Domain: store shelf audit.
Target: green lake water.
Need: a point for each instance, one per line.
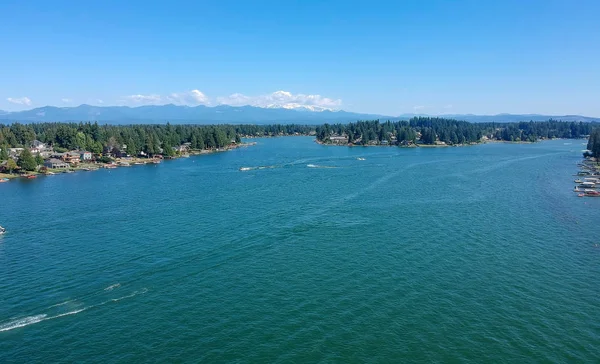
(475, 254)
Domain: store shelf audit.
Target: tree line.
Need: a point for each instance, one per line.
(151, 139)
(593, 145)
(430, 130)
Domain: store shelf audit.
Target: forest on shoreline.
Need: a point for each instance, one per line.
(432, 131)
(155, 139)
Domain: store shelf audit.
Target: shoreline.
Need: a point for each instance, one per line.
(121, 162)
(442, 145)
(350, 145)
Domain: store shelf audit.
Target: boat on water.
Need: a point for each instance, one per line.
(2, 230)
(587, 185)
(139, 163)
(578, 181)
(360, 159)
(185, 156)
(2, 180)
(156, 161)
(31, 176)
(245, 169)
(592, 193)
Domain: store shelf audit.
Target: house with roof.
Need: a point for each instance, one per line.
(55, 163)
(337, 139)
(85, 156)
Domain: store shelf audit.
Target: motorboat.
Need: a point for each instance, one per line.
(2, 230)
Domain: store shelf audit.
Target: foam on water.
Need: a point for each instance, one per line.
(22, 322)
(110, 288)
(34, 319)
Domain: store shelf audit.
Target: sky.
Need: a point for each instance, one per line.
(386, 57)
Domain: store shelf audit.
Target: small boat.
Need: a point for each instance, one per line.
(245, 169)
(2, 180)
(592, 193)
(156, 161)
(185, 156)
(2, 230)
(580, 194)
(578, 181)
(139, 163)
(31, 176)
(360, 159)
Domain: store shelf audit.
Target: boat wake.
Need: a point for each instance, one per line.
(67, 308)
(110, 288)
(318, 166)
(243, 169)
(22, 322)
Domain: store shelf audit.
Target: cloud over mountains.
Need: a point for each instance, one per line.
(278, 99)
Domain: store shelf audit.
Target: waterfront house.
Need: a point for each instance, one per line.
(71, 157)
(54, 163)
(336, 139)
(182, 149)
(85, 156)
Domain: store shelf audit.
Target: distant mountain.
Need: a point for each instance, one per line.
(290, 113)
(186, 114)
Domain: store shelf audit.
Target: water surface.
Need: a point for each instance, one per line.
(475, 254)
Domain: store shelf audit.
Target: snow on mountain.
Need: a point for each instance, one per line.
(299, 107)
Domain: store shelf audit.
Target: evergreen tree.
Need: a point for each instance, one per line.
(11, 165)
(26, 160)
(39, 160)
(3, 152)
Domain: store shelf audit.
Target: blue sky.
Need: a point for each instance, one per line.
(388, 57)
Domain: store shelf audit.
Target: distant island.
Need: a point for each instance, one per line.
(49, 148)
(426, 131)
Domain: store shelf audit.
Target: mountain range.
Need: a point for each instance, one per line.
(237, 115)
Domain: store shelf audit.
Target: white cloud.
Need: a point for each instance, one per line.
(283, 99)
(144, 99)
(193, 97)
(19, 100)
(66, 100)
